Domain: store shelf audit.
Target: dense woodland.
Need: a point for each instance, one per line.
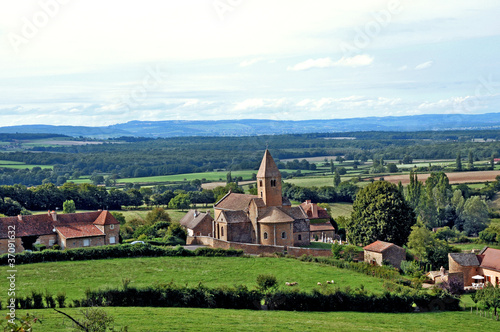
(140, 157)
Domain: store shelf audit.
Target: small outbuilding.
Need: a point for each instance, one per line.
(379, 252)
(198, 223)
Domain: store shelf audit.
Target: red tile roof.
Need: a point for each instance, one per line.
(326, 226)
(491, 259)
(105, 218)
(314, 211)
(274, 215)
(79, 230)
(234, 202)
(43, 224)
(379, 246)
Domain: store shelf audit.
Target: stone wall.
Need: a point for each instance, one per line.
(256, 249)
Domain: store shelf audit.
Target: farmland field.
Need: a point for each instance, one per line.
(191, 319)
(458, 177)
(74, 277)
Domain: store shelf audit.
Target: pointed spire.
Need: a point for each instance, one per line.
(268, 167)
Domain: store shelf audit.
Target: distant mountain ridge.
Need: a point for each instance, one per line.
(251, 127)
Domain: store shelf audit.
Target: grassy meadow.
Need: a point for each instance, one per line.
(74, 277)
(191, 319)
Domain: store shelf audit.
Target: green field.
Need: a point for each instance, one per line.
(20, 165)
(190, 319)
(74, 277)
(340, 209)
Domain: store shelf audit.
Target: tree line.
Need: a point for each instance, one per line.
(167, 156)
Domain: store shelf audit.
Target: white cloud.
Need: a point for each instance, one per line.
(424, 65)
(246, 63)
(355, 61)
(403, 68)
(249, 103)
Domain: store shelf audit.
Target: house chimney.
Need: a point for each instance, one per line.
(54, 215)
(20, 217)
(208, 212)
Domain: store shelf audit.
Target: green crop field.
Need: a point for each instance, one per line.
(340, 209)
(8, 162)
(74, 277)
(190, 319)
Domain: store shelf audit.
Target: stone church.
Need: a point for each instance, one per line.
(266, 218)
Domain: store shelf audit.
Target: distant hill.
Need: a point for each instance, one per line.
(250, 127)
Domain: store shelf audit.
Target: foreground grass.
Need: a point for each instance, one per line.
(188, 319)
(74, 277)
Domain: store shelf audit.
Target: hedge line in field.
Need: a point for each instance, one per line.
(114, 251)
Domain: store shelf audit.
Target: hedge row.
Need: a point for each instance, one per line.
(240, 297)
(384, 272)
(114, 251)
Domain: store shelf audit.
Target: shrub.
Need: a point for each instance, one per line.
(61, 299)
(266, 282)
(40, 247)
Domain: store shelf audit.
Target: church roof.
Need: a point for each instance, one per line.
(235, 216)
(268, 167)
(234, 202)
(272, 215)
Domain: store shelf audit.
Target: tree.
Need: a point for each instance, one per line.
(336, 178)
(229, 178)
(475, 215)
(332, 166)
(157, 214)
(380, 213)
(458, 163)
(69, 206)
(427, 248)
(471, 160)
(392, 168)
(181, 201)
(489, 296)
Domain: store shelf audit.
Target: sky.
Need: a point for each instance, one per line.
(98, 63)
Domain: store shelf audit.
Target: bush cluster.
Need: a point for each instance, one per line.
(114, 251)
(240, 297)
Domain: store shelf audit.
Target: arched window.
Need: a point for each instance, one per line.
(265, 235)
(283, 235)
(260, 183)
(300, 237)
(222, 231)
(273, 183)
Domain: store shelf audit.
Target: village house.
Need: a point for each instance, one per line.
(71, 230)
(266, 218)
(197, 223)
(321, 227)
(379, 252)
(476, 270)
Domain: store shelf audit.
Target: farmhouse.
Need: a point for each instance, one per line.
(266, 218)
(475, 270)
(72, 230)
(321, 227)
(380, 251)
(197, 223)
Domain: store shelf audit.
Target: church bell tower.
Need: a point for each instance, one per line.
(269, 181)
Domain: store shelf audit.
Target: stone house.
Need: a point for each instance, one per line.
(197, 223)
(266, 218)
(321, 227)
(485, 264)
(72, 230)
(379, 252)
